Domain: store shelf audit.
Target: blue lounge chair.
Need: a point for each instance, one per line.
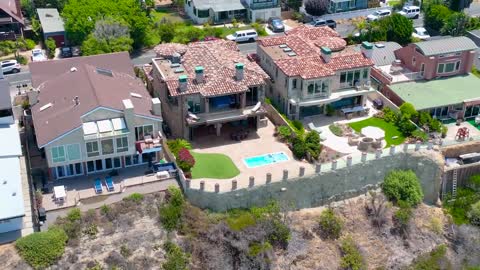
(109, 183)
(98, 186)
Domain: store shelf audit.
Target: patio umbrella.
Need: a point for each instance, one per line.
(373, 132)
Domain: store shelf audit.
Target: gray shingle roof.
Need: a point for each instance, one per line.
(447, 45)
(383, 55)
(50, 20)
(219, 5)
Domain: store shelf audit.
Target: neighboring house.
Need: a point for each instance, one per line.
(475, 36)
(11, 20)
(433, 76)
(205, 86)
(94, 115)
(221, 11)
(311, 67)
(337, 6)
(12, 207)
(52, 25)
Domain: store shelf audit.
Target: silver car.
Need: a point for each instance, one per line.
(10, 66)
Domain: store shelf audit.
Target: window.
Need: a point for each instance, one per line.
(365, 73)
(107, 147)
(317, 87)
(343, 77)
(69, 170)
(193, 106)
(122, 144)
(294, 83)
(414, 61)
(58, 154)
(117, 163)
(142, 131)
(276, 73)
(73, 151)
(311, 88)
(448, 67)
(90, 166)
(92, 149)
(203, 13)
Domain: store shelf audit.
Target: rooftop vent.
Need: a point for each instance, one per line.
(14, 194)
(379, 45)
(287, 50)
(73, 69)
(179, 70)
(135, 95)
(4, 182)
(48, 15)
(292, 54)
(104, 71)
(46, 106)
(76, 100)
(283, 46)
(175, 65)
(176, 58)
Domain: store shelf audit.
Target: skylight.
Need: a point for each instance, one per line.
(135, 95)
(89, 128)
(119, 124)
(283, 46)
(104, 71)
(46, 106)
(287, 49)
(104, 126)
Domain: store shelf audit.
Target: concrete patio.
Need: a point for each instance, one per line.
(81, 189)
(453, 128)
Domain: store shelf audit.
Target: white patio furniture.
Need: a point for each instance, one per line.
(59, 193)
(162, 175)
(257, 107)
(477, 119)
(311, 126)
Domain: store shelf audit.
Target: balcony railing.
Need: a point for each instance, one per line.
(106, 134)
(224, 116)
(149, 144)
(272, 4)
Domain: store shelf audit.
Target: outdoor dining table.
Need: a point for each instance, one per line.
(59, 193)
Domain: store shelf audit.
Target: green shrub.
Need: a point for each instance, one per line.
(125, 251)
(260, 29)
(74, 215)
(402, 217)
(177, 144)
(268, 101)
(51, 46)
(474, 182)
(405, 126)
(256, 248)
(401, 185)
(389, 115)
(241, 221)
(434, 260)
(299, 148)
(91, 230)
(474, 214)
(171, 212)
(312, 143)
(284, 133)
(460, 207)
(336, 130)
(352, 259)
(105, 209)
(419, 135)
(330, 225)
(176, 259)
(424, 118)
(435, 125)
(280, 234)
(329, 110)
(408, 111)
(134, 197)
(298, 125)
(22, 60)
(42, 249)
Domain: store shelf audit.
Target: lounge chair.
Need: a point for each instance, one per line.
(98, 186)
(109, 183)
(311, 126)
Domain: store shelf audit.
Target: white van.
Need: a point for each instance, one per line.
(244, 35)
(411, 12)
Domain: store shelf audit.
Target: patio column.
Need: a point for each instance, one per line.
(363, 100)
(297, 112)
(207, 107)
(243, 100)
(218, 129)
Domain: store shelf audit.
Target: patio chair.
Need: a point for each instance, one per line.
(311, 126)
(98, 186)
(109, 183)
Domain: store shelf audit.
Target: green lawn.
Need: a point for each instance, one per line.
(159, 14)
(217, 166)
(390, 129)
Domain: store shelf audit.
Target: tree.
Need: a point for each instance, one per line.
(376, 208)
(459, 5)
(294, 4)
(316, 7)
(80, 17)
(398, 28)
(51, 46)
(166, 31)
(455, 25)
(435, 16)
(474, 214)
(108, 36)
(403, 186)
(408, 111)
(58, 4)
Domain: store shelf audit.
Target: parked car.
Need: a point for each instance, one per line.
(244, 35)
(37, 55)
(377, 15)
(10, 66)
(321, 22)
(421, 33)
(275, 24)
(66, 52)
(411, 12)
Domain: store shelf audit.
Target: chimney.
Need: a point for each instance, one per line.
(239, 71)
(183, 82)
(367, 49)
(326, 54)
(128, 114)
(156, 107)
(199, 74)
(19, 8)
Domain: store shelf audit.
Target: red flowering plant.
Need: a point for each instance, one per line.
(185, 160)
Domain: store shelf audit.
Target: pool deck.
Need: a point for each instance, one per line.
(258, 143)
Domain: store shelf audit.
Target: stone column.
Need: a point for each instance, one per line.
(417, 146)
(187, 183)
(251, 181)
(243, 100)
(202, 185)
(297, 113)
(217, 188)
(285, 175)
(234, 184)
(349, 161)
(218, 128)
(392, 150)
(301, 171)
(269, 178)
(207, 106)
(318, 167)
(378, 153)
(334, 164)
(364, 157)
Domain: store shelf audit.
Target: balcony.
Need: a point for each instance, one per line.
(397, 74)
(334, 96)
(224, 116)
(149, 144)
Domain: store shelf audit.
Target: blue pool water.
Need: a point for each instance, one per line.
(263, 160)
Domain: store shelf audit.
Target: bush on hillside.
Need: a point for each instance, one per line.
(330, 224)
(284, 133)
(403, 186)
(474, 214)
(299, 148)
(351, 256)
(171, 212)
(42, 249)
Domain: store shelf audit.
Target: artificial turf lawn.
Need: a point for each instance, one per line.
(216, 166)
(390, 129)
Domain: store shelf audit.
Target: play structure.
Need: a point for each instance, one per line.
(462, 133)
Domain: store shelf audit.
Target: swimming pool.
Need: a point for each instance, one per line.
(266, 159)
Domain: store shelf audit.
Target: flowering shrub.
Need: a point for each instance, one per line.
(185, 160)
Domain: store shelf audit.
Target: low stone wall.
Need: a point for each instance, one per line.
(333, 185)
(274, 115)
(460, 149)
(385, 100)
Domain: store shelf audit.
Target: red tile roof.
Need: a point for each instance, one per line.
(306, 42)
(91, 87)
(218, 58)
